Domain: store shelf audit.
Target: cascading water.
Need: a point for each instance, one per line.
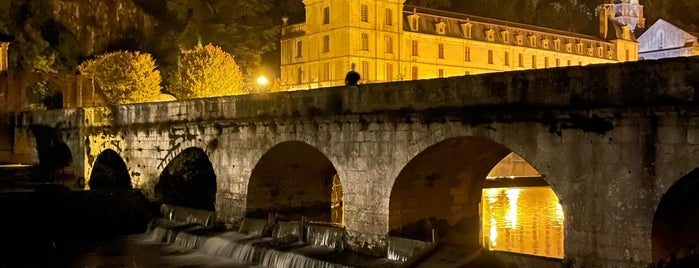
(401, 249)
(189, 240)
(226, 248)
(278, 259)
(253, 226)
(283, 229)
(328, 236)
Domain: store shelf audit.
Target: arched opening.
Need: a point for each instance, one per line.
(109, 172)
(188, 180)
(675, 222)
(294, 179)
(447, 191)
(44, 95)
(55, 158)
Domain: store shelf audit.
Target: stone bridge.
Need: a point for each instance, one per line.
(616, 143)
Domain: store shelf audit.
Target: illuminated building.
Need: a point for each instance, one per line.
(664, 40)
(389, 41)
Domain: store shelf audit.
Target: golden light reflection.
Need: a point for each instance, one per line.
(526, 220)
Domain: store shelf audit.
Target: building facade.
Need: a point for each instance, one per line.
(664, 40)
(389, 41)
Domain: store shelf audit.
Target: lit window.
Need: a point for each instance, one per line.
(389, 44)
(389, 17)
(326, 43)
(326, 15)
(520, 60)
(389, 72)
(326, 71)
(466, 28)
(490, 35)
(441, 27)
(365, 41)
(299, 48)
(414, 48)
(441, 73)
(299, 75)
(507, 58)
(467, 54)
(546, 62)
(533, 61)
(505, 35)
(365, 13)
(490, 56)
(440, 51)
(558, 62)
(414, 74)
(365, 69)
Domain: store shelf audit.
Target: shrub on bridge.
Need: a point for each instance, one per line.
(124, 76)
(206, 71)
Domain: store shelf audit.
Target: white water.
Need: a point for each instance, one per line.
(252, 226)
(283, 229)
(188, 240)
(278, 259)
(226, 248)
(328, 236)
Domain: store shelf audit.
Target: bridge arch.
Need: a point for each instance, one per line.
(188, 180)
(674, 230)
(295, 179)
(441, 188)
(109, 171)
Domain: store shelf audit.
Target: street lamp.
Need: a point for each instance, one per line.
(262, 83)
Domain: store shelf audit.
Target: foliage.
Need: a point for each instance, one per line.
(44, 95)
(124, 77)
(206, 71)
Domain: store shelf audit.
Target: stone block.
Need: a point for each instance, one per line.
(672, 134)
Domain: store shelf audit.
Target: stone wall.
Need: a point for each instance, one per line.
(610, 140)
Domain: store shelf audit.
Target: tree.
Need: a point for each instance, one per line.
(206, 71)
(124, 77)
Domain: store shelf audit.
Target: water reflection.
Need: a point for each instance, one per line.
(526, 220)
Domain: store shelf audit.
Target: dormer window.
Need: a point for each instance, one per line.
(520, 39)
(532, 40)
(466, 28)
(545, 43)
(580, 47)
(600, 51)
(505, 35)
(557, 44)
(610, 54)
(440, 27)
(413, 20)
(590, 50)
(569, 47)
(490, 35)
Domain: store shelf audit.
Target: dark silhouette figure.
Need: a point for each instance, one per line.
(352, 77)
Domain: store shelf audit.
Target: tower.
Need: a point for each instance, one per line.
(626, 12)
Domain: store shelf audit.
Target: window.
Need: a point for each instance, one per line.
(365, 13)
(326, 71)
(365, 70)
(414, 48)
(389, 71)
(389, 17)
(570, 63)
(569, 47)
(440, 51)
(520, 39)
(505, 35)
(365, 41)
(507, 58)
(466, 28)
(467, 54)
(580, 63)
(299, 76)
(558, 62)
(579, 47)
(413, 21)
(490, 35)
(490, 56)
(441, 73)
(299, 48)
(414, 74)
(557, 44)
(600, 51)
(326, 43)
(546, 62)
(467, 72)
(440, 27)
(545, 43)
(520, 60)
(326, 15)
(628, 55)
(389, 44)
(532, 40)
(533, 61)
